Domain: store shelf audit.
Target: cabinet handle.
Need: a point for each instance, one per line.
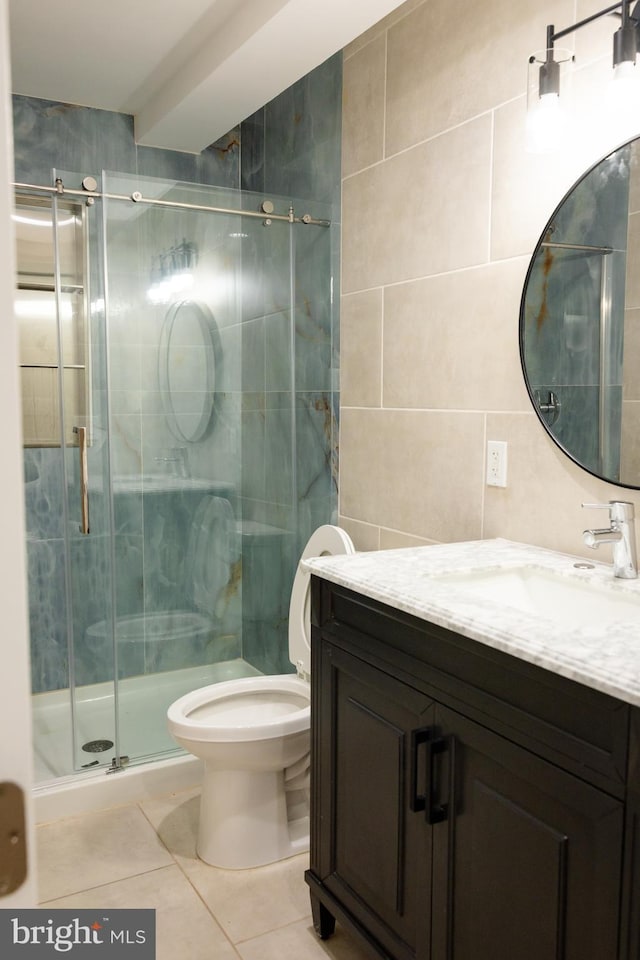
(417, 801)
(436, 812)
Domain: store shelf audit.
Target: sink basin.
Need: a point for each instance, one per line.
(534, 591)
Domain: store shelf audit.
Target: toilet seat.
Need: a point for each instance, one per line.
(325, 541)
(264, 707)
(250, 708)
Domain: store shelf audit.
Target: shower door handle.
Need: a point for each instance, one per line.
(84, 478)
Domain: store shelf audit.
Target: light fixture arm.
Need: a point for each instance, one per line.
(547, 71)
(626, 42)
(622, 5)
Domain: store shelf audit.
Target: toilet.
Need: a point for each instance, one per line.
(253, 735)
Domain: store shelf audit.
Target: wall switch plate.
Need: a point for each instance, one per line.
(496, 463)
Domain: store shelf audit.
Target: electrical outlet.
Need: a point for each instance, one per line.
(496, 463)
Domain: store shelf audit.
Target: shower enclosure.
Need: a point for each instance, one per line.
(177, 354)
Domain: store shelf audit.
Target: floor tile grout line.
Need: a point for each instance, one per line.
(175, 862)
(191, 884)
(282, 926)
(233, 943)
(108, 883)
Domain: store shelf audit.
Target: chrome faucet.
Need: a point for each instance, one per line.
(621, 534)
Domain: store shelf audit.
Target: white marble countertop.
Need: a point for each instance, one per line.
(604, 656)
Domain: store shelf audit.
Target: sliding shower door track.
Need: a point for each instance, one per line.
(137, 197)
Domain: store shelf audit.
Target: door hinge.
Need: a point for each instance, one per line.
(118, 764)
(13, 838)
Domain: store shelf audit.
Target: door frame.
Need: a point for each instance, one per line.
(16, 759)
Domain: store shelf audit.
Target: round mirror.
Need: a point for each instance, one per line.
(580, 321)
(186, 369)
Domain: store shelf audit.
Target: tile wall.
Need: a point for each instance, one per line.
(442, 209)
(67, 137)
(291, 147)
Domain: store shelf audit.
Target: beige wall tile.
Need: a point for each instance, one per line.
(392, 540)
(445, 66)
(417, 224)
(401, 469)
(542, 502)
(630, 443)
(421, 213)
(632, 286)
(363, 91)
(527, 187)
(591, 40)
(364, 535)
(361, 349)
(381, 27)
(631, 364)
(452, 341)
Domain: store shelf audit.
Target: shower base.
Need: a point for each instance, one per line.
(157, 764)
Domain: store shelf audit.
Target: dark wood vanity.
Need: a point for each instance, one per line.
(466, 804)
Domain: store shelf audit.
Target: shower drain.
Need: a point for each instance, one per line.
(97, 746)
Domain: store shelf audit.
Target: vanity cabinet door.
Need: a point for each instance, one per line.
(371, 850)
(528, 863)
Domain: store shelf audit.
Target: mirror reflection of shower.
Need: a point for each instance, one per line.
(578, 320)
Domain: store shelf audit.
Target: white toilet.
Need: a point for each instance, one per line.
(254, 737)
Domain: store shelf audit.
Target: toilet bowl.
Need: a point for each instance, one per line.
(253, 735)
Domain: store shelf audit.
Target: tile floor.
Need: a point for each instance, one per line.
(143, 855)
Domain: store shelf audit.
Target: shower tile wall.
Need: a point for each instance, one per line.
(150, 570)
(292, 147)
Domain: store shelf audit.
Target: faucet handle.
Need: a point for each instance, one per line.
(619, 509)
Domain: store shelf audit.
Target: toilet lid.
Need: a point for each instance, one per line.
(326, 541)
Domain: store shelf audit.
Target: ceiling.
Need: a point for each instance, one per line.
(188, 71)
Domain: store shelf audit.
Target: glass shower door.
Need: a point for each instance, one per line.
(87, 475)
(178, 425)
(201, 366)
(60, 308)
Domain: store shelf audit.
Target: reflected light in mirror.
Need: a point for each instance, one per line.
(32, 222)
(163, 292)
(44, 309)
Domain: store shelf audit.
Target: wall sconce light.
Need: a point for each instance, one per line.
(549, 72)
(626, 41)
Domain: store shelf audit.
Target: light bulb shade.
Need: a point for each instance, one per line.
(625, 72)
(625, 43)
(549, 78)
(548, 96)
